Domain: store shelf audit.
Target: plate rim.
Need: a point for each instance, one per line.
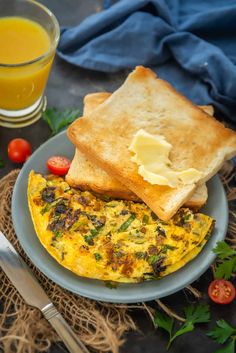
(86, 292)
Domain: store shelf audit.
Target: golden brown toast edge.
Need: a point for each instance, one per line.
(142, 188)
(111, 186)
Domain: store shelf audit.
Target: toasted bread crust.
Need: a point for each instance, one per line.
(209, 109)
(86, 176)
(93, 100)
(199, 198)
(143, 101)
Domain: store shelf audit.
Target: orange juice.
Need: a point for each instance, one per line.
(22, 80)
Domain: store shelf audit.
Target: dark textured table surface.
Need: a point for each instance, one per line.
(66, 88)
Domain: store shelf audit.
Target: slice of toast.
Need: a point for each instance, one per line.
(146, 102)
(87, 176)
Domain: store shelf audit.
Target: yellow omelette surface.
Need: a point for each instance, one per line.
(111, 240)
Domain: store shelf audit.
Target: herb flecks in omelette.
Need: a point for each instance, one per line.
(97, 256)
(48, 194)
(111, 240)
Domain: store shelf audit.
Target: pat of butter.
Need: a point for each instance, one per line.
(151, 153)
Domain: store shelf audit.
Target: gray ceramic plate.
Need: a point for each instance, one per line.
(124, 293)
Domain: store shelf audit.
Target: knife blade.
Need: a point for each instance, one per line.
(23, 279)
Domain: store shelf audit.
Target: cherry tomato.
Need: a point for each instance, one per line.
(58, 165)
(19, 150)
(221, 291)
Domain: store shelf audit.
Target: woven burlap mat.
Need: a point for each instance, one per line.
(101, 326)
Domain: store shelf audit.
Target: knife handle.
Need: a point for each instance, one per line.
(70, 339)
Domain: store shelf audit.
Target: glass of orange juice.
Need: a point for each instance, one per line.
(29, 34)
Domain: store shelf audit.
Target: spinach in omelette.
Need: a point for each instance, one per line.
(111, 240)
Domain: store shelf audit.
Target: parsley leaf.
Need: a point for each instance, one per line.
(230, 348)
(224, 332)
(227, 255)
(197, 314)
(221, 332)
(1, 163)
(186, 327)
(164, 321)
(193, 314)
(58, 120)
(226, 268)
(223, 250)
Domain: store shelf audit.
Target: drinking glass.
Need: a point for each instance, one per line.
(22, 84)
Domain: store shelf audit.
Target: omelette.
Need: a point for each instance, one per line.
(111, 240)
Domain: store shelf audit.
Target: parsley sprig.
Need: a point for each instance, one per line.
(222, 333)
(227, 260)
(193, 315)
(59, 120)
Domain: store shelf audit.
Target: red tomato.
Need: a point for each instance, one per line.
(19, 150)
(58, 165)
(221, 291)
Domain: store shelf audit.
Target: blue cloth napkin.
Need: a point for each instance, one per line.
(191, 44)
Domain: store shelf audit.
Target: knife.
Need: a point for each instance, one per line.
(31, 291)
